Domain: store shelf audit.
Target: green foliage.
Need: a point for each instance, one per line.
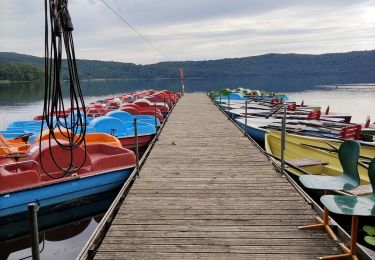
(359, 62)
(18, 71)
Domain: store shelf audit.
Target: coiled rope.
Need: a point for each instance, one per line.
(59, 24)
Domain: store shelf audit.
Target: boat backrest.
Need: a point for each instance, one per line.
(371, 174)
(130, 110)
(61, 134)
(102, 138)
(151, 98)
(109, 125)
(60, 156)
(348, 156)
(143, 102)
(132, 105)
(122, 115)
(352, 131)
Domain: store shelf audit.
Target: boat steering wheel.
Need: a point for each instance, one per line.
(16, 156)
(25, 137)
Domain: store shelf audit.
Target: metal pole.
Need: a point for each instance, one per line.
(283, 133)
(32, 208)
(245, 117)
(228, 106)
(228, 103)
(136, 145)
(156, 121)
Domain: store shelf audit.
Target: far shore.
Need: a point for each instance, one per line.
(5, 81)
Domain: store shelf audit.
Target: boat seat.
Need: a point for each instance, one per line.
(300, 162)
(353, 206)
(348, 155)
(107, 157)
(17, 176)
(61, 157)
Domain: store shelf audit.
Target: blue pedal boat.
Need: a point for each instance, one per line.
(124, 130)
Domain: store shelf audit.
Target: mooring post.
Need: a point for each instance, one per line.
(156, 121)
(228, 106)
(228, 103)
(32, 208)
(220, 100)
(155, 116)
(245, 127)
(136, 145)
(283, 135)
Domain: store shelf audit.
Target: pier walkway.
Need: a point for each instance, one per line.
(206, 192)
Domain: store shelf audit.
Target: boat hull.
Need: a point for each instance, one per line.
(48, 195)
(257, 134)
(129, 142)
(318, 162)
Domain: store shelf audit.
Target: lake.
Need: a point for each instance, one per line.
(21, 101)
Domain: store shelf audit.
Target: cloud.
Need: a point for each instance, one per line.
(196, 30)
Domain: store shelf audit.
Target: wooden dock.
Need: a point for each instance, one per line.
(206, 192)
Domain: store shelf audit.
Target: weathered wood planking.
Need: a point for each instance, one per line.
(205, 192)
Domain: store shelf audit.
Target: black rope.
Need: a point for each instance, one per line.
(58, 23)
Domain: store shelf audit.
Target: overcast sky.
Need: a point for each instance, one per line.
(196, 29)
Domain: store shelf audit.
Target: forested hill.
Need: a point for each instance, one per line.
(358, 62)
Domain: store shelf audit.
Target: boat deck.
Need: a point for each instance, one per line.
(206, 192)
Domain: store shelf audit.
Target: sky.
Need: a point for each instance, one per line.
(195, 29)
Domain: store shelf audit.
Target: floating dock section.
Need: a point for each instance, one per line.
(207, 192)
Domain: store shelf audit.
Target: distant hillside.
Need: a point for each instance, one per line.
(20, 71)
(358, 62)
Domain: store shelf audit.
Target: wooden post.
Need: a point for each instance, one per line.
(353, 239)
(32, 208)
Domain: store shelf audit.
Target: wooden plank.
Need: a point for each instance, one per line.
(212, 228)
(271, 235)
(205, 192)
(224, 242)
(201, 256)
(204, 248)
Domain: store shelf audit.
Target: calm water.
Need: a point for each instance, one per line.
(22, 101)
(64, 228)
(66, 235)
(357, 100)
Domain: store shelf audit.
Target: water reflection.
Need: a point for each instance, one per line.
(22, 101)
(64, 228)
(26, 92)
